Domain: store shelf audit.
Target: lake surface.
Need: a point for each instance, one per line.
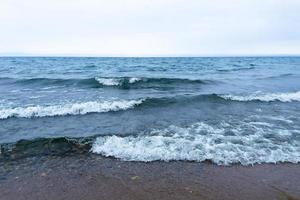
(227, 110)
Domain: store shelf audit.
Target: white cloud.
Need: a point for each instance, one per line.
(144, 27)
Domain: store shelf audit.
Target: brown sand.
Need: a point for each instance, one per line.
(94, 177)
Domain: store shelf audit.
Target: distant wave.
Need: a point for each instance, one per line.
(89, 82)
(135, 82)
(268, 97)
(278, 76)
(119, 82)
(68, 109)
(236, 69)
(200, 142)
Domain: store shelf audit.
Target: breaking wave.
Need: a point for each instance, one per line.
(68, 109)
(116, 81)
(283, 97)
(82, 108)
(119, 82)
(127, 82)
(223, 145)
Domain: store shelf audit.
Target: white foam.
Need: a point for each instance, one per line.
(200, 142)
(108, 81)
(116, 81)
(283, 97)
(134, 80)
(68, 109)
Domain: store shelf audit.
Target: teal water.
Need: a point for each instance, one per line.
(227, 110)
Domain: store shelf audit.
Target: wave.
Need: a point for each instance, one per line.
(119, 82)
(279, 76)
(135, 82)
(268, 97)
(89, 82)
(223, 144)
(236, 69)
(223, 98)
(68, 109)
(245, 143)
(200, 142)
(60, 146)
(83, 108)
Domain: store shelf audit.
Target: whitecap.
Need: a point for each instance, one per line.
(68, 109)
(109, 81)
(134, 80)
(267, 97)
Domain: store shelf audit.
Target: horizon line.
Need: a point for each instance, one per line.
(145, 56)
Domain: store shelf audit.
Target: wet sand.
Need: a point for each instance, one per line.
(94, 177)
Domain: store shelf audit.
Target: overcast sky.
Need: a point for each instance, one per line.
(149, 27)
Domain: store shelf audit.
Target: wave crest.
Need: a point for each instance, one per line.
(126, 82)
(68, 109)
(108, 81)
(117, 81)
(283, 97)
(120, 82)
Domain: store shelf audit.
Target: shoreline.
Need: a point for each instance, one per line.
(90, 176)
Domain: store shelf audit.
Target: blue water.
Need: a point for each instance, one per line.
(227, 110)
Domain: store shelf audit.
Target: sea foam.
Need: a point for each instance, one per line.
(117, 81)
(109, 81)
(134, 80)
(283, 97)
(200, 142)
(68, 109)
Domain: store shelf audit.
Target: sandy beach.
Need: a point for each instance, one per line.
(90, 176)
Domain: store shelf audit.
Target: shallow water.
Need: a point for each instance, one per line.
(227, 110)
